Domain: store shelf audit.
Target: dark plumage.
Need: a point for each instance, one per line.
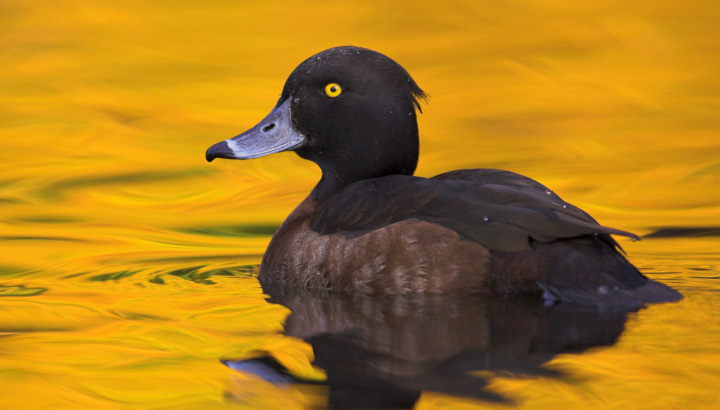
(370, 226)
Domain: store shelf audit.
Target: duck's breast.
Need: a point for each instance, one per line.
(403, 257)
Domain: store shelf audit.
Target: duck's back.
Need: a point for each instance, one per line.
(483, 230)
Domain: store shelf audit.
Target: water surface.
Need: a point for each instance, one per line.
(127, 263)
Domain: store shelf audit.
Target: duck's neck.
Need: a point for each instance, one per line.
(331, 183)
(336, 178)
(375, 151)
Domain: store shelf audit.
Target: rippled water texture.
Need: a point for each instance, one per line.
(127, 262)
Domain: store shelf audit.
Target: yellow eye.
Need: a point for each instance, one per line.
(333, 90)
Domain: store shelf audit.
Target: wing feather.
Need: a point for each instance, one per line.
(500, 210)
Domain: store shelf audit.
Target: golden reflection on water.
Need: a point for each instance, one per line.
(126, 259)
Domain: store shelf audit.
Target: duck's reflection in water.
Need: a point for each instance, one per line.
(384, 351)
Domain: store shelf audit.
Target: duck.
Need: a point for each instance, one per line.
(370, 226)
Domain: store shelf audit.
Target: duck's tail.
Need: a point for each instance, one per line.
(589, 270)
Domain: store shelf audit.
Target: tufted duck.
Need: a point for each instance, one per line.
(370, 226)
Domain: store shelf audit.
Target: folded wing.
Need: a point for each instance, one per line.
(500, 210)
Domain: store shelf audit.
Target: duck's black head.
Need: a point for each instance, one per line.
(349, 109)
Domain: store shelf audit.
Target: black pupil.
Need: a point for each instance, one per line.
(333, 89)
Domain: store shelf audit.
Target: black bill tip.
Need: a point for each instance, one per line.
(219, 150)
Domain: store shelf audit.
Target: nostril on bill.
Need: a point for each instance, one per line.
(268, 127)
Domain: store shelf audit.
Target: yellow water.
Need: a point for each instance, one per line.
(127, 261)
